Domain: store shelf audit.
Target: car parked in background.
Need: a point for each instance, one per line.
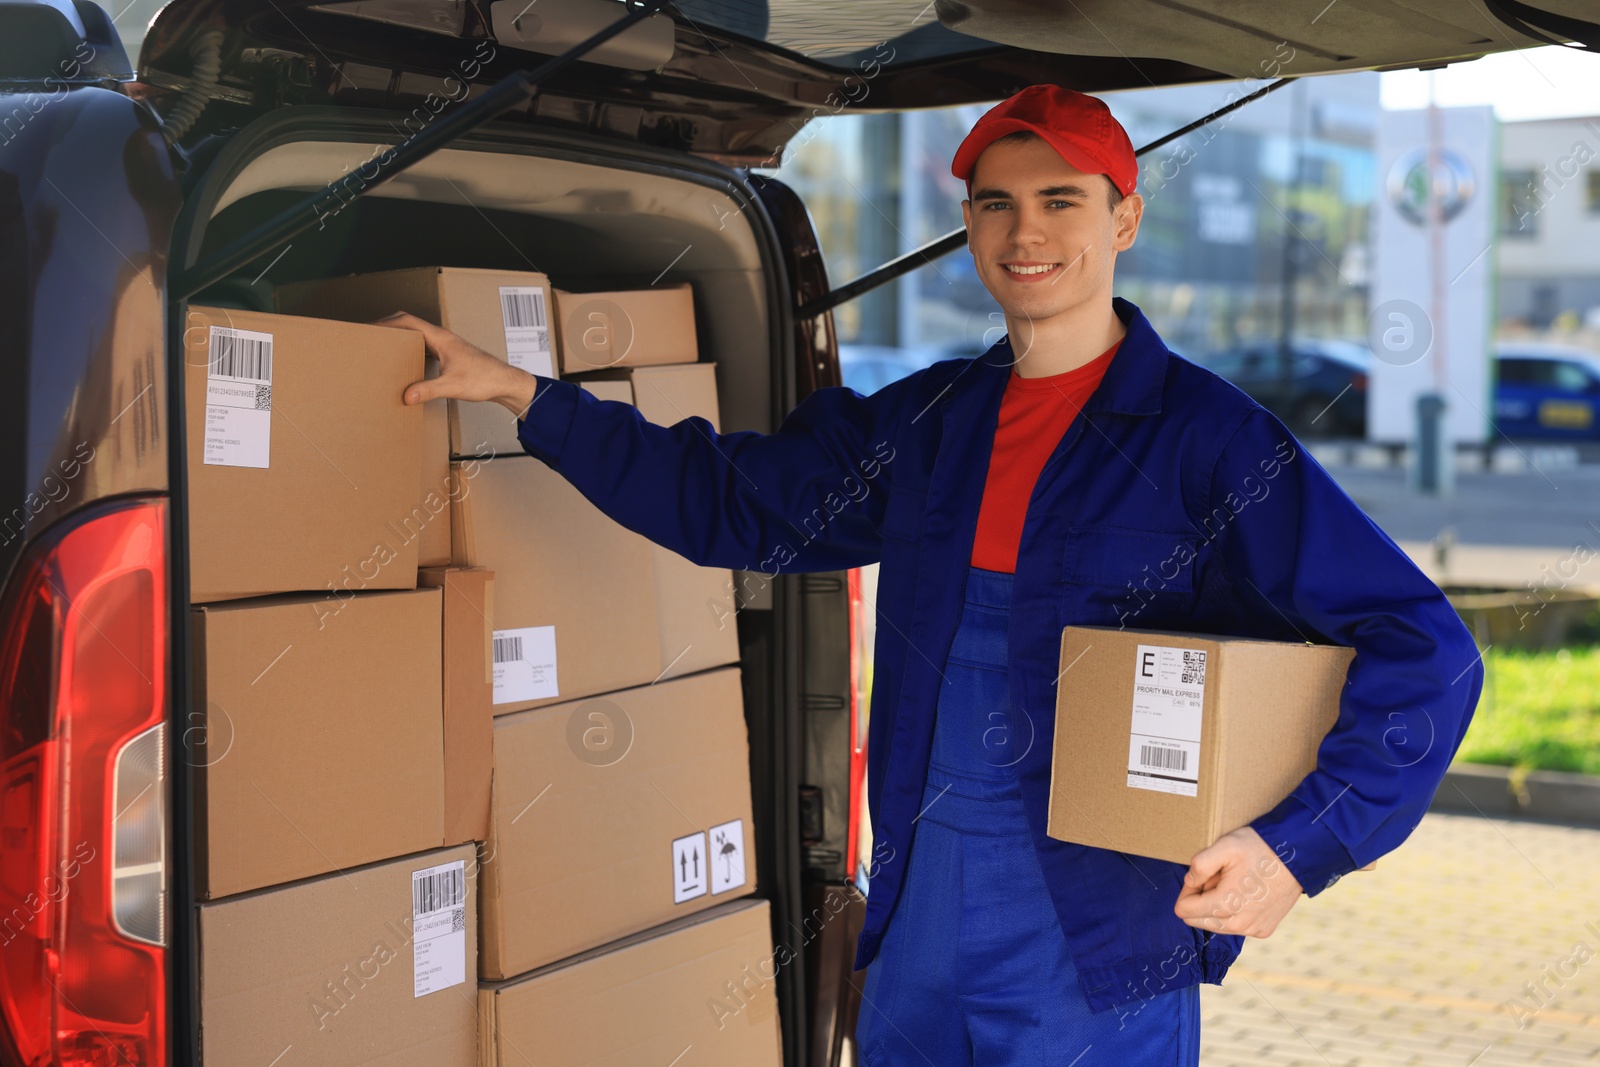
(1546, 391)
(1318, 387)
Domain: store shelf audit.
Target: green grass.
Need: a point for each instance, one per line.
(1539, 711)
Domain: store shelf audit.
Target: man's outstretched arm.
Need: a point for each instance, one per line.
(807, 497)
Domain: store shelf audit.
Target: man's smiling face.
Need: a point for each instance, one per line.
(1041, 232)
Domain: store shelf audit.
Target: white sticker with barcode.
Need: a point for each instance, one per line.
(1169, 693)
(438, 927)
(238, 398)
(522, 309)
(525, 664)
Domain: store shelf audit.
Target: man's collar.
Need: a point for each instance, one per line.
(1134, 381)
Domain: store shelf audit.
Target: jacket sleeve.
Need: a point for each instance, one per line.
(807, 497)
(1303, 550)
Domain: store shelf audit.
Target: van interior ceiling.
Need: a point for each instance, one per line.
(586, 226)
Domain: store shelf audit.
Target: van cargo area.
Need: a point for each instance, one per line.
(593, 218)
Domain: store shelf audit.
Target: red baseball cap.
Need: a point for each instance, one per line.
(1078, 126)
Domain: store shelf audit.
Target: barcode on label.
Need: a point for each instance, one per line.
(438, 890)
(1172, 759)
(507, 649)
(235, 354)
(1194, 667)
(522, 307)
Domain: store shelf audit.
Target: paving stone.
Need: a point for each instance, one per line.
(1422, 962)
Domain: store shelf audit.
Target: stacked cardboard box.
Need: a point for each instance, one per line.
(613, 814)
(621, 841)
(505, 313)
(302, 467)
(369, 965)
(550, 684)
(703, 981)
(341, 744)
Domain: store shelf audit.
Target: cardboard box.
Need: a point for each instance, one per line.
(322, 736)
(303, 458)
(696, 611)
(505, 313)
(626, 328)
(614, 814)
(468, 595)
(574, 605)
(705, 982)
(1166, 741)
(609, 388)
(368, 966)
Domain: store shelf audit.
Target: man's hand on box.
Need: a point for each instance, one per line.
(466, 372)
(1237, 886)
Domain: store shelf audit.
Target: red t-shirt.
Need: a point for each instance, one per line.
(1034, 414)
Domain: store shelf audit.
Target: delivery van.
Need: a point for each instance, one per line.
(252, 147)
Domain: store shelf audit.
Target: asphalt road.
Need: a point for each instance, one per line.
(1554, 508)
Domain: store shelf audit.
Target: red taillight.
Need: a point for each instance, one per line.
(860, 684)
(83, 695)
(1358, 382)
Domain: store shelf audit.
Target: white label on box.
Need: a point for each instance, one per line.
(727, 856)
(525, 664)
(238, 398)
(527, 329)
(438, 928)
(1169, 692)
(688, 867)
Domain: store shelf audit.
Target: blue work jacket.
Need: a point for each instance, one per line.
(1172, 502)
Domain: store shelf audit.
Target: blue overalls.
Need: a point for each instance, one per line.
(974, 968)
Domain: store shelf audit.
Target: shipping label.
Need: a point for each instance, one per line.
(522, 309)
(438, 927)
(525, 664)
(1169, 691)
(238, 398)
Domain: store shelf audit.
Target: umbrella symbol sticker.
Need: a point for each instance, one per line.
(727, 842)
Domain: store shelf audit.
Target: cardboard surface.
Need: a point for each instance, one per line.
(468, 595)
(696, 612)
(1263, 707)
(626, 328)
(645, 1000)
(465, 301)
(605, 811)
(322, 735)
(342, 451)
(329, 969)
(565, 576)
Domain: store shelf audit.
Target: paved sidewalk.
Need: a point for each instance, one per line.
(1432, 958)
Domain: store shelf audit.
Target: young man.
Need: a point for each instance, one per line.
(1077, 472)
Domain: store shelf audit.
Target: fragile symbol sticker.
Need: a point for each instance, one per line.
(689, 867)
(238, 429)
(1169, 693)
(438, 927)
(522, 309)
(727, 856)
(525, 664)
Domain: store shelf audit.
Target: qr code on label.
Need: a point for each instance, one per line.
(1194, 667)
(263, 398)
(458, 920)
